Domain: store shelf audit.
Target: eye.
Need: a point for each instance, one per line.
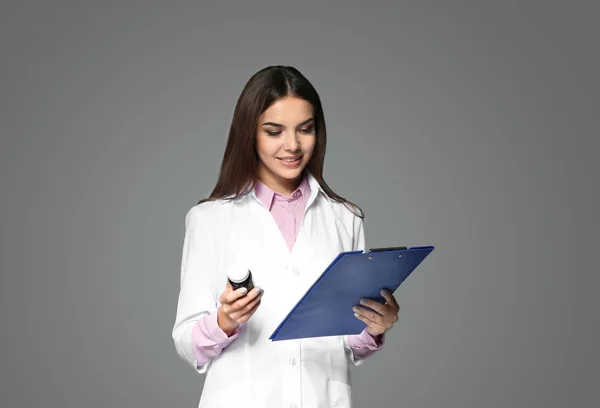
(273, 132)
(308, 130)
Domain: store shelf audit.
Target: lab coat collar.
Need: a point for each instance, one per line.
(315, 189)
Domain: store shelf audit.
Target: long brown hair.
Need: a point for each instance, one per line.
(239, 168)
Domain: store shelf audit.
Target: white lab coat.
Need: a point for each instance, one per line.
(253, 371)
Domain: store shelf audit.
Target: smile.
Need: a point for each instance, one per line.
(290, 161)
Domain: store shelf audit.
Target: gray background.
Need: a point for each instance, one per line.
(469, 125)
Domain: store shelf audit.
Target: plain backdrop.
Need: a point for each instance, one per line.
(469, 125)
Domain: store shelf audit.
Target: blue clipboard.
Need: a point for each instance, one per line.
(326, 307)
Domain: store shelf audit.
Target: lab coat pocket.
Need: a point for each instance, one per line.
(340, 394)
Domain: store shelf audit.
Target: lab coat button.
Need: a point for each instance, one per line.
(293, 405)
(296, 271)
(292, 361)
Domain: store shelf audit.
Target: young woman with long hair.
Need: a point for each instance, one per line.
(272, 212)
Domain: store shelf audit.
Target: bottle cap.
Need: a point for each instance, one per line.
(237, 273)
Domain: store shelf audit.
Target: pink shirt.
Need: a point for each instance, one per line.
(208, 338)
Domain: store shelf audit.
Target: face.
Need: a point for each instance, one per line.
(285, 140)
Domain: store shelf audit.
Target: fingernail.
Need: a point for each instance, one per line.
(243, 291)
(384, 292)
(355, 315)
(355, 310)
(363, 301)
(258, 289)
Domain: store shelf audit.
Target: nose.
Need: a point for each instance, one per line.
(292, 143)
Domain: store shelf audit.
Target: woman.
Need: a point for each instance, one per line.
(271, 211)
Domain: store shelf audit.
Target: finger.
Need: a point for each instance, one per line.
(376, 306)
(248, 315)
(244, 314)
(223, 295)
(244, 300)
(370, 323)
(239, 309)
(368, 314)
(391, 300)
(232, 309)
(231, 297)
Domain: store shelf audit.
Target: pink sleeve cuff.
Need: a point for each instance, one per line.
(364, 344)
(209, 340)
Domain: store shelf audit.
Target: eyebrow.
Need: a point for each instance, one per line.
(307, 121)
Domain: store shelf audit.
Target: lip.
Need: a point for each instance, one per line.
(293, 164)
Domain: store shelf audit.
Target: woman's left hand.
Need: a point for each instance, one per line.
(387, 314)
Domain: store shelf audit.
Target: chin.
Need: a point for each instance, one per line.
(291, 174)
(288, 173)
(278, 171)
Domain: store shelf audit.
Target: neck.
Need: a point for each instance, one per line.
(279, 184)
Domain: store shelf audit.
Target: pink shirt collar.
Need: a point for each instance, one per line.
(267, 196)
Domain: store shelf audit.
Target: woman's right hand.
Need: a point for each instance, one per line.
(237, 307)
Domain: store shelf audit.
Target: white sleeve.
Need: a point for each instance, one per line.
(358, 236)
(358, 243)
(197, 295)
